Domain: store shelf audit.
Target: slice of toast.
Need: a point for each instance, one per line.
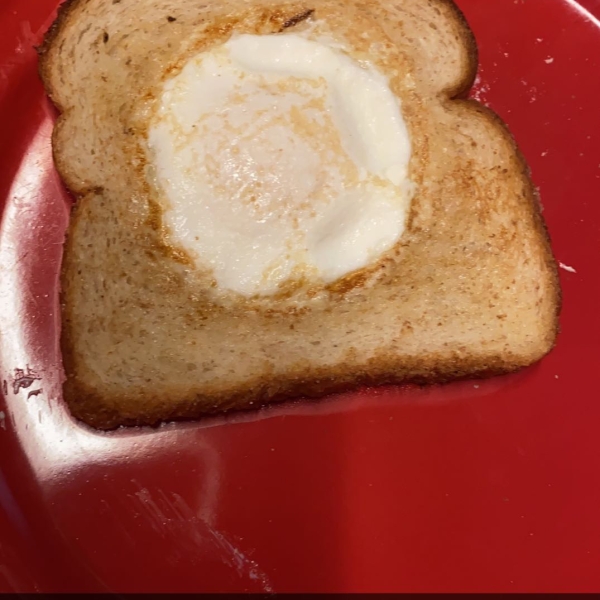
(471, 289)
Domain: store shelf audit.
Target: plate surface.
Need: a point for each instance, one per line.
(490, 485)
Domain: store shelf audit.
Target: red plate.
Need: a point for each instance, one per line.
(490, 485)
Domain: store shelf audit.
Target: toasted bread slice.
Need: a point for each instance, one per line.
(471, 289)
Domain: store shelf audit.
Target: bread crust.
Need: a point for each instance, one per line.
(91, 408)
(103, 408)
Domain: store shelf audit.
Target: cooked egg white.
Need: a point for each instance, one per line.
(279, 158)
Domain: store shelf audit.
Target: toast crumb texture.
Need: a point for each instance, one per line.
(470, 290)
